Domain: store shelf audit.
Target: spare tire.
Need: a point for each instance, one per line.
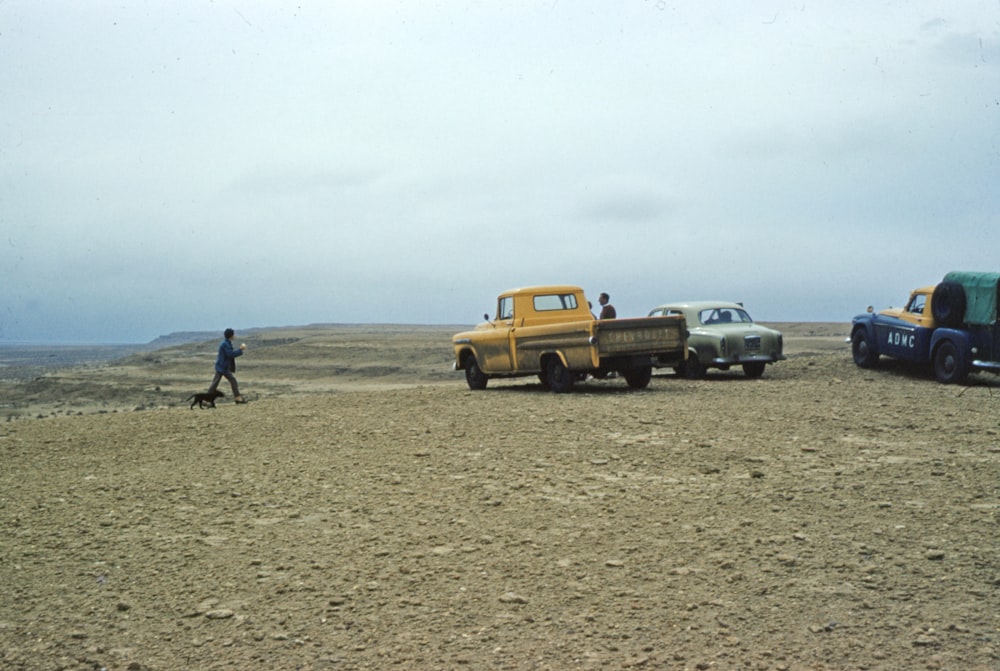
(948, 304)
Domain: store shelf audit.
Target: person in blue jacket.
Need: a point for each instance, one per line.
(225, 364)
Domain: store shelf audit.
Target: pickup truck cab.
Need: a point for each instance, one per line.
(550, 332)
(951, 325)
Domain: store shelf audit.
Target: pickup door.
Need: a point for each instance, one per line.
(572, 339)
(494, 346)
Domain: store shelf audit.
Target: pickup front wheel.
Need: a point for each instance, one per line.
(559, 377)
(474, 375)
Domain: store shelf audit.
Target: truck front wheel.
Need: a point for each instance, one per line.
(949, 363)
(639, 377)
(474, 375)
(560, 378)
(865, 355)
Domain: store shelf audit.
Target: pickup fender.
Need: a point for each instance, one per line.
(545, 355)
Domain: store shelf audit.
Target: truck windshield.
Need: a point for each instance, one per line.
(547, 302)
(505, 310)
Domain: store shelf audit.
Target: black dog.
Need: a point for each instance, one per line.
(204, 399)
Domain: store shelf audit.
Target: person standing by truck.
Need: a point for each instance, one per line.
(607, 309)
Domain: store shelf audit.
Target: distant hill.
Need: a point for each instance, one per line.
(188, 337)
(181, 338)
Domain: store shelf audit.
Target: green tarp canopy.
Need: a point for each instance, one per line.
(980, 295)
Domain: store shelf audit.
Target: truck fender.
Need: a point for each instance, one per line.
(864, 345)
(959, 338)
(548, 354)
(463, 357)
(867, 324)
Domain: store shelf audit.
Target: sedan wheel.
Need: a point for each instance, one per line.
(693, 369)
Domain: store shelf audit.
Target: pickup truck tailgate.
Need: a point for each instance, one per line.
(645, 335)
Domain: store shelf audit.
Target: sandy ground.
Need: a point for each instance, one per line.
(368, 511)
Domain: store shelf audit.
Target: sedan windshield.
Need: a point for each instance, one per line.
(724, 316)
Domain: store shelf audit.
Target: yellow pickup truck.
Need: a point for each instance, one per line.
(550, 332)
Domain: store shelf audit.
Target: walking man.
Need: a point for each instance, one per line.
(225, 364)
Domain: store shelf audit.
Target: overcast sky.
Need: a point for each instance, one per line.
(193, 165)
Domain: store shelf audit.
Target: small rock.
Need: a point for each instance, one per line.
(219, 614)
(934, 555)
(511, 597)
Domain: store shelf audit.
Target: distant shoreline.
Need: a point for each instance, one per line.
(21, 360)
(186, 337)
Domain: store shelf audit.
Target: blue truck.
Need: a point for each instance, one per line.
(951, 325)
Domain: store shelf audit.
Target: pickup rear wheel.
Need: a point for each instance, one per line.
(949, 363)
(639, 377)
(474, 375)
(864, 354)
(560, 378)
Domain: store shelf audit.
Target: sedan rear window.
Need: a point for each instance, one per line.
(724, 316)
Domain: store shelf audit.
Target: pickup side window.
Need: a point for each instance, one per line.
(505, 309)
(917, 304)
(548, 302)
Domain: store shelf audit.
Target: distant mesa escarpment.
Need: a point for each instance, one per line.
(188, 337)
(181, 338)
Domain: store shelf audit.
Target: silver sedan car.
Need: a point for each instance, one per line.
(723, 335)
